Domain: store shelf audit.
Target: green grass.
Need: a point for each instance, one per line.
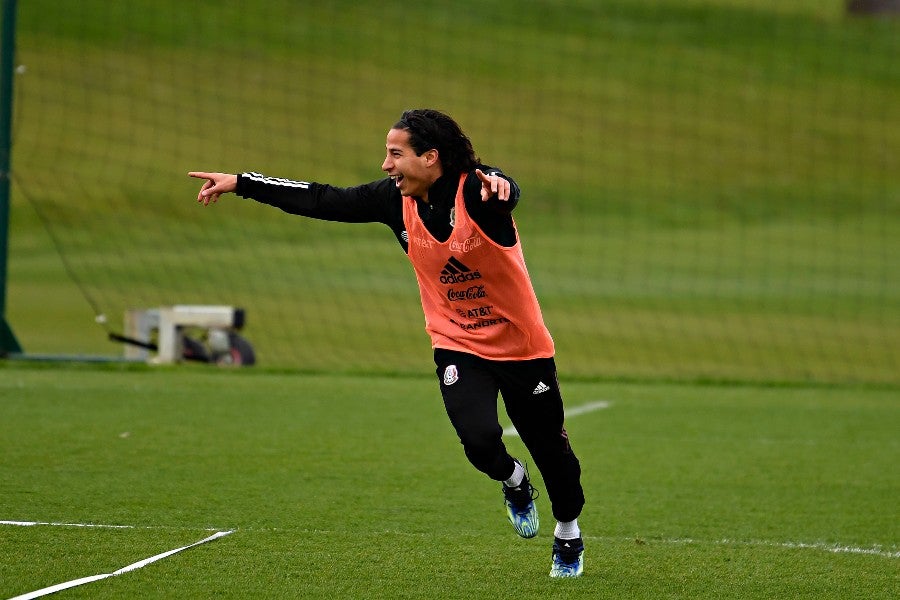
(710, 187)
(711, 220)
(355, 487)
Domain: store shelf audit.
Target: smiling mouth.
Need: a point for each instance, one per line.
(397, 179)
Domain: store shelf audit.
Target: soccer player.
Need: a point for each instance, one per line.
(452, 216)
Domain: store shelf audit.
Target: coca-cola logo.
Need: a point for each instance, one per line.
(466, 245)
(474, 292)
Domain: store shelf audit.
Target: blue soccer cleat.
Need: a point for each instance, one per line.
(521, 509)
(568, 558)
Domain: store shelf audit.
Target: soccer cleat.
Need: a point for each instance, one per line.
(521, 509)
(567, 558)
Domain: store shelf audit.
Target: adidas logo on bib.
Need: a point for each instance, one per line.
(541, 388)
(456, 272)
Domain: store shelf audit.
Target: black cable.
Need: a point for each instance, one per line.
(99, 316)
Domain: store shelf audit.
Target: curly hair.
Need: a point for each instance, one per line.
(429, 128)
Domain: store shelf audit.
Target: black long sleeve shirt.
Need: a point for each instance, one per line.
(381, 202)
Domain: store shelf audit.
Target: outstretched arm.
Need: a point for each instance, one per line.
(376, 202)
(215, 185)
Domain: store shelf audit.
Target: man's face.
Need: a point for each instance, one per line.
(412, 174)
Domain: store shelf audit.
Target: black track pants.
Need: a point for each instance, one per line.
(530, 392)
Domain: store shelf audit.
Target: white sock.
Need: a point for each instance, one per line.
(567, 530)
(517, 476)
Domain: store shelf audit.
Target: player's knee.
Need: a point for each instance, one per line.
(490, 459)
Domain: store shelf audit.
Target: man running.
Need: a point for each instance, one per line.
(452, 216)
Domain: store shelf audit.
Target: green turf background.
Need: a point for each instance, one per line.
(710, 187)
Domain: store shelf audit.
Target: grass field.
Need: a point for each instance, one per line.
(710, 187)
(711, 216)
(355, 487)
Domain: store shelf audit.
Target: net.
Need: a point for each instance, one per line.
(711, 189)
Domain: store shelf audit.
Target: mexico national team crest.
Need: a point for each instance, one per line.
(451, 375)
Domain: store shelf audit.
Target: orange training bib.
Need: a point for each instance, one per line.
(476, 294)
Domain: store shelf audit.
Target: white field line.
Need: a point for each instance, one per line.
(101, 525)
(876, 550)
(91, 578)
(572, 412)
(835, 548)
